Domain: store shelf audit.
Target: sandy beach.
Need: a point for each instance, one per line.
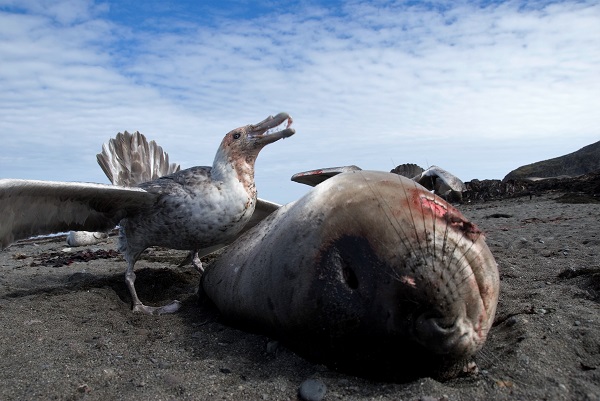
(68, 333)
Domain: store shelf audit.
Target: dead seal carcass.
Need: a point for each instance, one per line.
(368, 271)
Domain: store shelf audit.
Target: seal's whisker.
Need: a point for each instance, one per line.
(402, 235)
(414, 225)
(488, 359)
(476, 255)
(463, 254)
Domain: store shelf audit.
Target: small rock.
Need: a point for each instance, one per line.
(80, 277)
(84, 388)
(172, 380)
(312, 390)
(109, 373)
(511, 321)
(272, 347)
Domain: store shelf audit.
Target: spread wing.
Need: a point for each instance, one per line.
(447, 181)
(31, 207)
(262, 210)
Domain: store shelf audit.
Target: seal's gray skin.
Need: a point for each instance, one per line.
(196, 208)
(368, 270)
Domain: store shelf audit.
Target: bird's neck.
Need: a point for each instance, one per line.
(235, 169)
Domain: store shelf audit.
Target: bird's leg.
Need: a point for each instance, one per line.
(192, 257)
(138, 306)
(196, 262)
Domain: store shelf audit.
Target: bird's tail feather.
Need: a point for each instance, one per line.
(129, 159)
(408, 170)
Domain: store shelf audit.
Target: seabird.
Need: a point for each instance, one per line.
(197, 208)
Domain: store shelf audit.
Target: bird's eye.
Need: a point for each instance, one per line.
(236, 136)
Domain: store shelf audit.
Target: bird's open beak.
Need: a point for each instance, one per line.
(272, 129)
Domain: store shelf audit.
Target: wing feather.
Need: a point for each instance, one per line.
(261, 211)
(448, 181)
(31, 207)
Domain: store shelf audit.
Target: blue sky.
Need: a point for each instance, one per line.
(478, 88)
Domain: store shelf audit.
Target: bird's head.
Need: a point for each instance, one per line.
(250, 139)
(241, 146)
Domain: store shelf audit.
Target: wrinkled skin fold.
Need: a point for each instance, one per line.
(369, 272)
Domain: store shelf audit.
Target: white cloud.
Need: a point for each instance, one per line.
(477, 90)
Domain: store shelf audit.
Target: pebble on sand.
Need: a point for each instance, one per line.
(312, 390)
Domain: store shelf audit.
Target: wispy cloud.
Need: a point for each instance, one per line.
(478, 89)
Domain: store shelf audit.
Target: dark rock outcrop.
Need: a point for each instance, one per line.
(585, 160)
(483, 190)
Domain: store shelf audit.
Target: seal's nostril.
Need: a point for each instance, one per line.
(433, 324)
(349, 276)
(443, 325)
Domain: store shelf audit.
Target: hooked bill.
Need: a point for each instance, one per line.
(369, 272)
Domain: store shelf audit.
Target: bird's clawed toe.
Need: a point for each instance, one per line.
(157, 310)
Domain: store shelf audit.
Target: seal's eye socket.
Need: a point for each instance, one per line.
(236, 135)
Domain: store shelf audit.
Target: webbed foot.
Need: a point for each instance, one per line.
(172, 307)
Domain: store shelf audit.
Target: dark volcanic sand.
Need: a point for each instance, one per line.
(67, 332)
